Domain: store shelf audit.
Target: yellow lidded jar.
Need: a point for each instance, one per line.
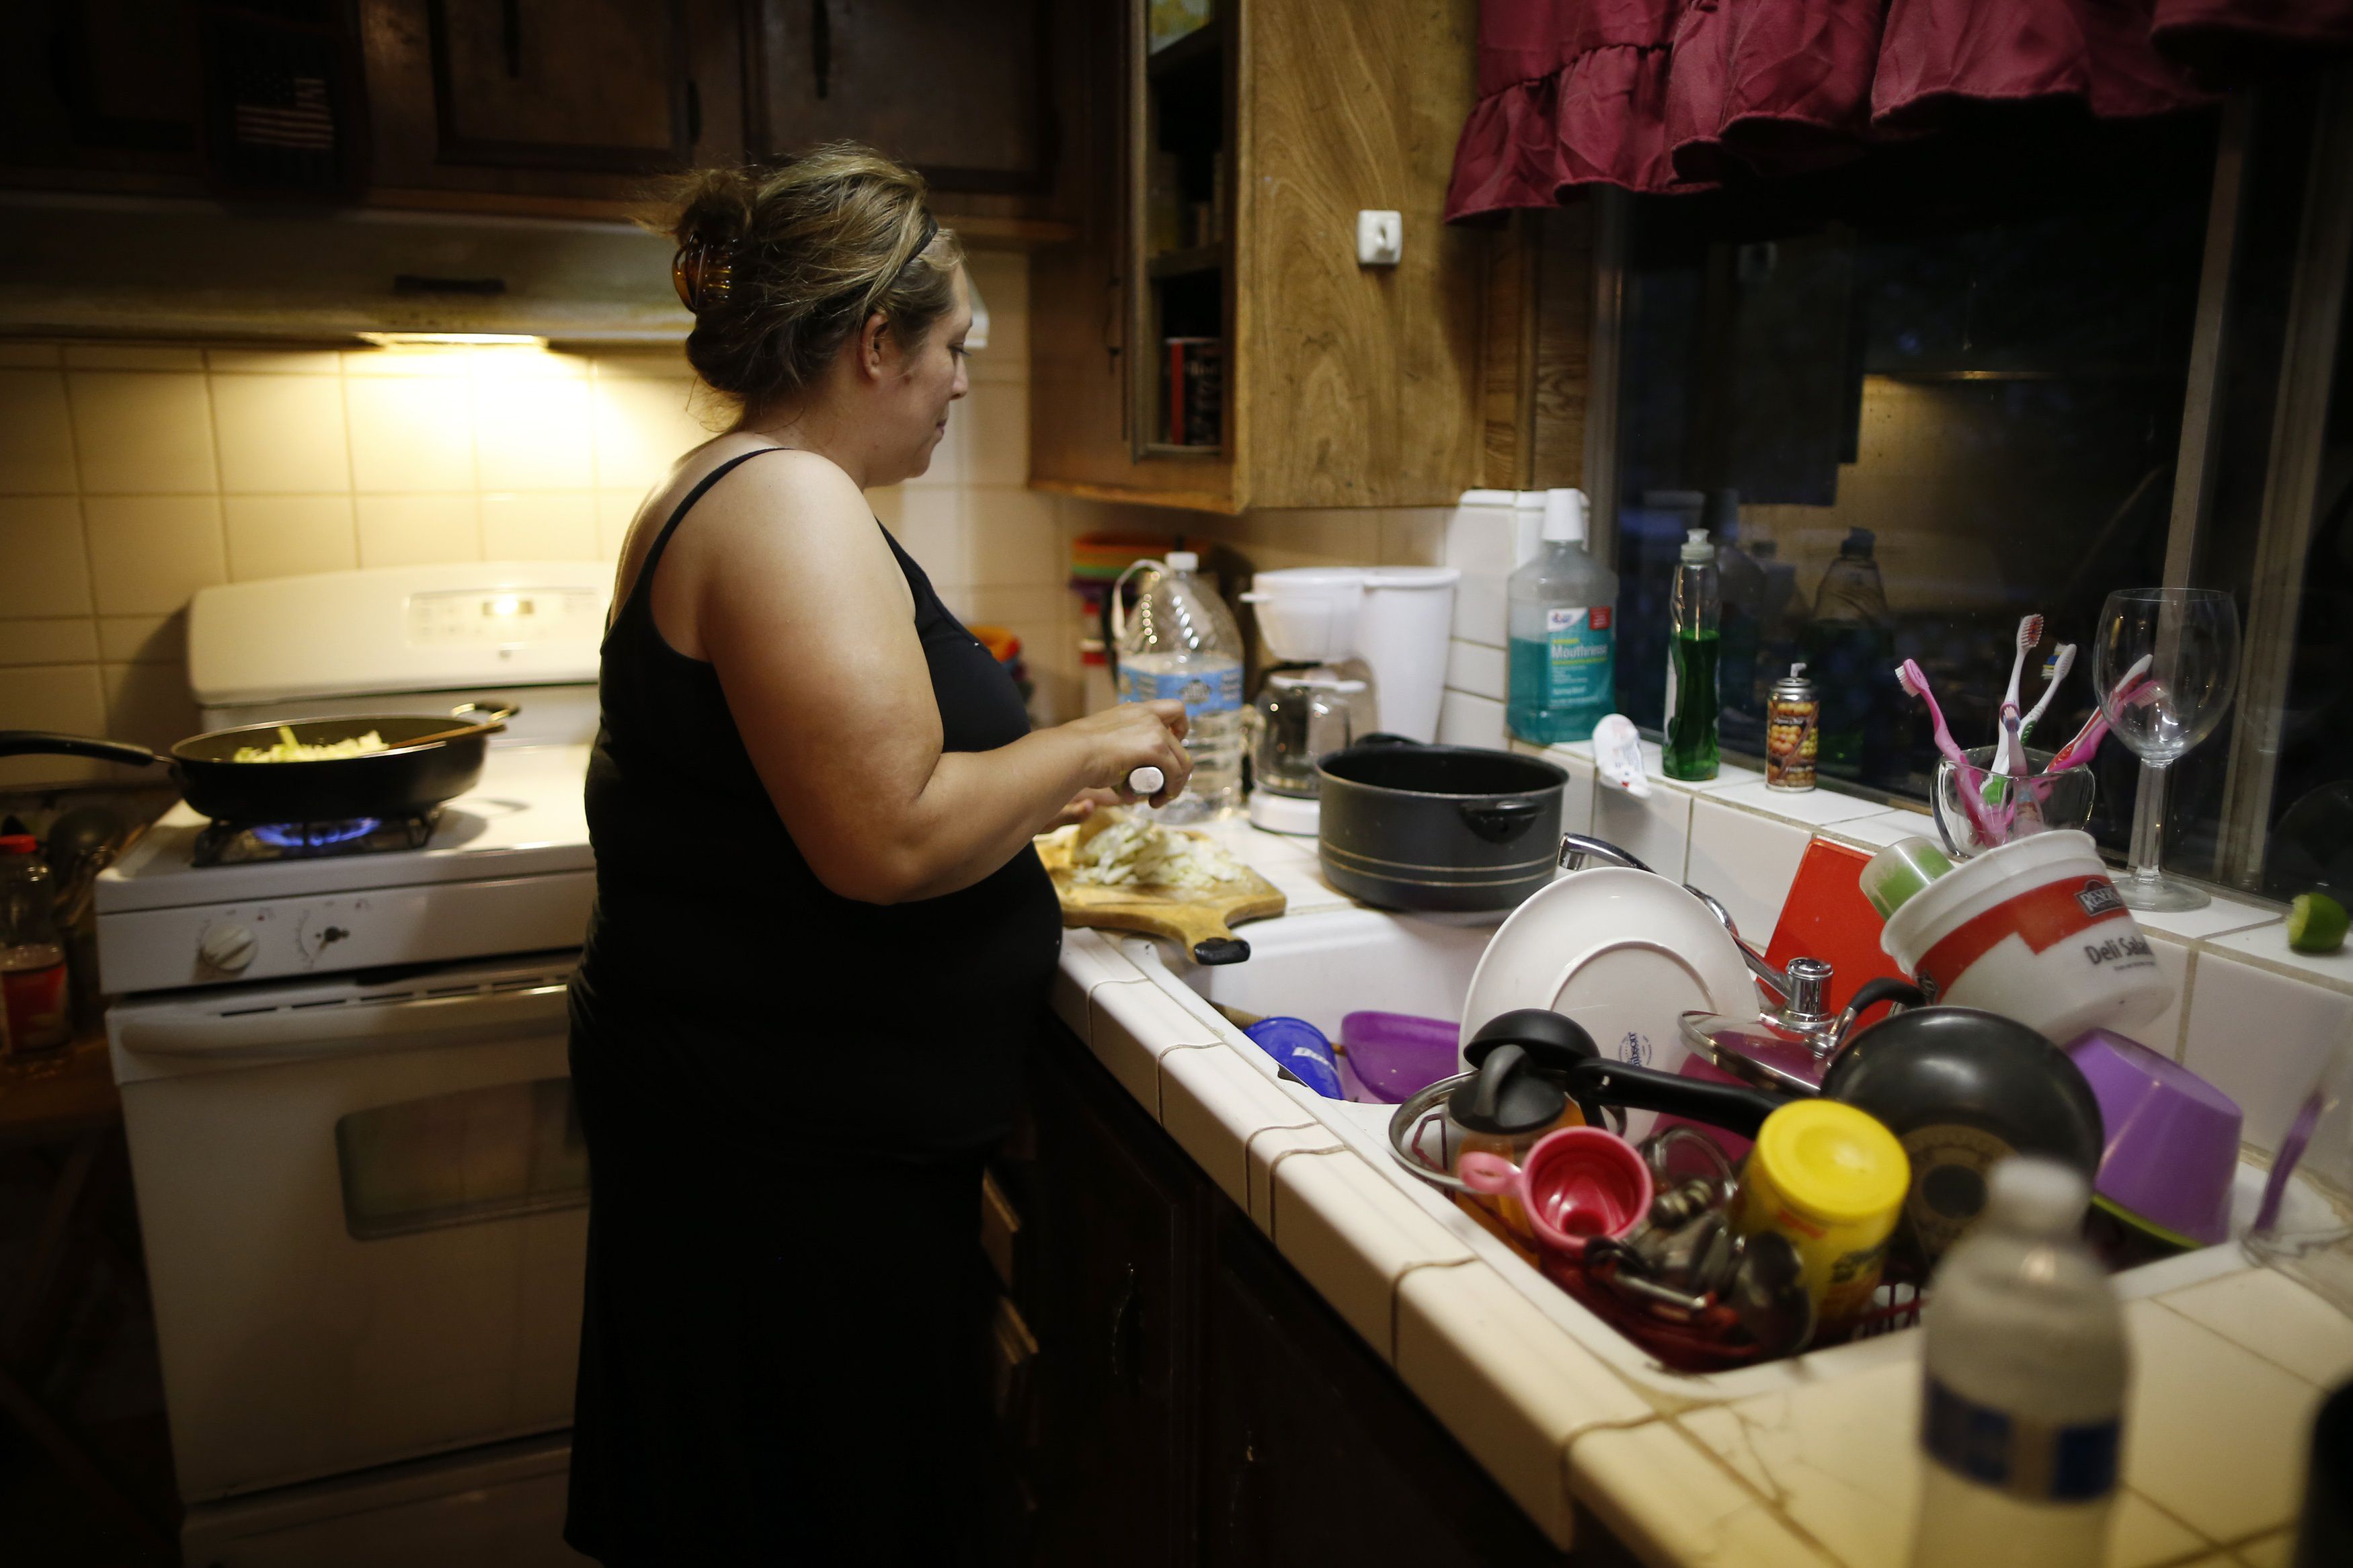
(1831, 1179)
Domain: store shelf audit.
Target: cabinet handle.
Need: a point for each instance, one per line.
(1114, 340)
(1122, 1332)
(1237, 1494)
(821, 45)
(510, 35)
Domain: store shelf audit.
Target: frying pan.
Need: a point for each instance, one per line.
(424, 762)
(1962, 1088)
(1930, 1065)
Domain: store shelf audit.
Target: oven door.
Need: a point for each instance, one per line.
(364, 1212)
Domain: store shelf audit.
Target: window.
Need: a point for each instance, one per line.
(461, 1159)
(1919, 396)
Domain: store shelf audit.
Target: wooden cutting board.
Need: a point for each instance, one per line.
(1204, 922)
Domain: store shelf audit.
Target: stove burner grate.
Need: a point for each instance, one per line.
(246, 843)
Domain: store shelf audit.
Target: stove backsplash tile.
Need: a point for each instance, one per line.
(132, 474)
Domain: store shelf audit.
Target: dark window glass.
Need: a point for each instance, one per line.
(1913, 399)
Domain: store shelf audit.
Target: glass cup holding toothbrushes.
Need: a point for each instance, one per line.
(2007, 806)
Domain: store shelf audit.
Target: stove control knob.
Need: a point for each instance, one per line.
(228, 947)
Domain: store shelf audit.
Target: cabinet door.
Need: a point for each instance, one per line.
(100, 87)
(958, 90)
(1115, 1322)
(561, 84)
(1092, 311)
(563, 106)
(1313, 1451)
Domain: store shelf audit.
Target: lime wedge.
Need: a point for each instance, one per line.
(2315, 923)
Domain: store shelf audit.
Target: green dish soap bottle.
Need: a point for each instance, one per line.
(1563, 675)
(1693, 650)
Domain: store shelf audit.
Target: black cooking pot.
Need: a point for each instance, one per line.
(1409, 827)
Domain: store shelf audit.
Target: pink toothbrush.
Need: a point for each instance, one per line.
(2009, 751)
(1915, 680)
(2075, 753)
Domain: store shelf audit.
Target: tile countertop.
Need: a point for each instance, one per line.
(2228, 1368)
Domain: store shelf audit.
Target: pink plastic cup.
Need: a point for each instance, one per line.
(1576, 1183)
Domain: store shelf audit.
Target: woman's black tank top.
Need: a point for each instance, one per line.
(725, 985)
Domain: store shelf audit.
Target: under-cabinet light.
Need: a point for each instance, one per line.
(449, 340)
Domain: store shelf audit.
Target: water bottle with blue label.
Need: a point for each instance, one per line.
(1180, 642)
(2026, 1366)
(1562, 677)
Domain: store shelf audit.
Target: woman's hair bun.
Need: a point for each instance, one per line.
(782, 266)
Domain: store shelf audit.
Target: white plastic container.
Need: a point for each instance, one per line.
(2025, 1363)
(1408, 616)
(2034, 930)
(1308, 613)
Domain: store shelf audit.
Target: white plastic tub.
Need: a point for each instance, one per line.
(2034, 929)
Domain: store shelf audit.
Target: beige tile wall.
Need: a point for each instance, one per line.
(133, 475)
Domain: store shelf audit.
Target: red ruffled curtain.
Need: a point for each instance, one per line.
(1674, 95)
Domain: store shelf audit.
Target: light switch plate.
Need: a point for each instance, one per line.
(1380, 238)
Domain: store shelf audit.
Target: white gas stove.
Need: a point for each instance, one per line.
(505, 869)
(341, 1047)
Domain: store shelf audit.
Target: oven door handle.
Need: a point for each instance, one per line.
(349, 1026)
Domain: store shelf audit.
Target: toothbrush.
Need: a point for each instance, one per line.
(2052, 674)
(1915, 680)
(2096, 728)
(2009, 754)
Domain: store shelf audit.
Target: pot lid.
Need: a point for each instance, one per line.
(1759, 1051)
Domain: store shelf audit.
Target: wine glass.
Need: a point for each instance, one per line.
(2167, 664)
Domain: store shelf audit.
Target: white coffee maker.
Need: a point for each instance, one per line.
(1359, 649)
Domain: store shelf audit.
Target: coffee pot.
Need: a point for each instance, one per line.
(1301, 714)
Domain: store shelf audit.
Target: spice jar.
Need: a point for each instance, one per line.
(1793, 715)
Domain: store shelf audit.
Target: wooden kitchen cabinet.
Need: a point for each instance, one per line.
(1221, 183)
(99, 93)
(1198, 1402)
(547, 105)
(1310, 1452)
(971, 94)
(1116, 1211)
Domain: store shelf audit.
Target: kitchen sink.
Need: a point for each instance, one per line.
(1323, 964)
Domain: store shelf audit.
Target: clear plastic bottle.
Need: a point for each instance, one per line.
(1180, 641)
(38, 1004)
(2026, 1363)
(1563, 645)
(1849, 648)
(1691, 750)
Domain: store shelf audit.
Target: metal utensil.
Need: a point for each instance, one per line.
(1766, 1291)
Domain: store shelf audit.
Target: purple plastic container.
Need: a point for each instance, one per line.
(2172, 1140)
(1397, 1054)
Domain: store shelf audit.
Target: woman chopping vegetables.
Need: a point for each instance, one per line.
(822, 939)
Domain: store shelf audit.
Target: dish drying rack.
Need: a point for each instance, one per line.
(1689, 1327)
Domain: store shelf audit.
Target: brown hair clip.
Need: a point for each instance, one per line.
(704, 272)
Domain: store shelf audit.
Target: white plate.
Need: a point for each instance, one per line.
(1626, 954)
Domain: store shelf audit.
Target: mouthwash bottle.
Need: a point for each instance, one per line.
(1693, 650)
(1562, 680)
